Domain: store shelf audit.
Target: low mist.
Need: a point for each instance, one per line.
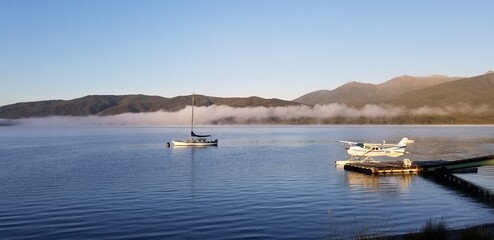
(230, 115)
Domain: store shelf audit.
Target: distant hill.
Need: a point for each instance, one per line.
(358, 94)
(103, 105)
(401, 100)
(474, 91)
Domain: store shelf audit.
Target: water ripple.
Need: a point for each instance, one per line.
(261, 183)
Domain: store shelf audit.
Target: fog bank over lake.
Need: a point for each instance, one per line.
(224, 114)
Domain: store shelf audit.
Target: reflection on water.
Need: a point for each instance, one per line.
(377, 183)
(271, 182)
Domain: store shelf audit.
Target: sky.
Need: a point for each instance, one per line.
(230, 48)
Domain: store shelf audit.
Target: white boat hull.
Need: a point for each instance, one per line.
(194, 143)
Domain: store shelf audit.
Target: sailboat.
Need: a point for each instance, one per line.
(195, 140)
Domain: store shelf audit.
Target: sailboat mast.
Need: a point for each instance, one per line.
(192, 120)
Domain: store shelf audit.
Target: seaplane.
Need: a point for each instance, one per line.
(363, 152)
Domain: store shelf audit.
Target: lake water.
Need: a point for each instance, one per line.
(261, 182)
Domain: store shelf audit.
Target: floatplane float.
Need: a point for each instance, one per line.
(363, 152)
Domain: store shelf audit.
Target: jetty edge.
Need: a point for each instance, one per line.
(439, 171)
(424, 167)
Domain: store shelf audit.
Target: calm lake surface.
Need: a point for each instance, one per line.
(261, 182)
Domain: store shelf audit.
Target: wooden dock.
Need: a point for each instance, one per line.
(382, 168)
(445, 178)
(440, 171)
(399, 167)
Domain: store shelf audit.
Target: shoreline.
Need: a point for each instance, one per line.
(439, 231)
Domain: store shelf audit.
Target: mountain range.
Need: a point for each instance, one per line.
(104, 105)
(405, 92)
(358, 94)
(411, 92)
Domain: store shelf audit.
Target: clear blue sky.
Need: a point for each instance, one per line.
(269, 48)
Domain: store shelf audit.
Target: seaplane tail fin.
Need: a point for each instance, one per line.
(403, 142)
